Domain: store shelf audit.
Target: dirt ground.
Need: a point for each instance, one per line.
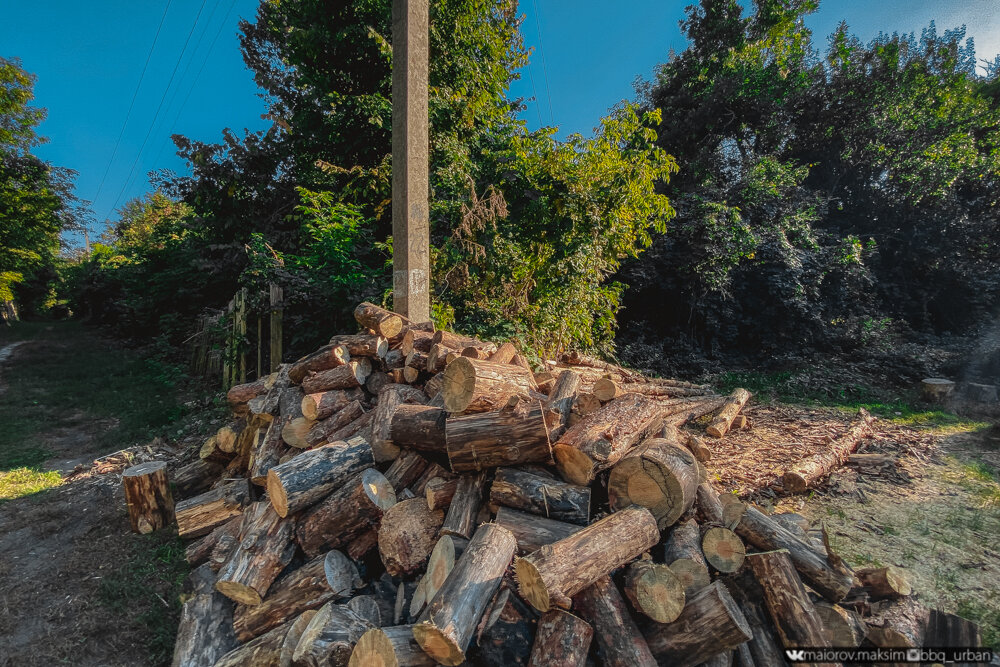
(76, 587)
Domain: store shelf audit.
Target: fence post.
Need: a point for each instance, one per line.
(277, 314)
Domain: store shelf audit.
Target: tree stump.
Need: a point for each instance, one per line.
(147, 494)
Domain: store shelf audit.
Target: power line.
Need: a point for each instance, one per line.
(159, 107)
(135, 94)
(545, 71)
(194, 83)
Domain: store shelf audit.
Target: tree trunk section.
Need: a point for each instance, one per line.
(654, 590)
(558, 407)
(264, 651)
(505, 635)
(346, 514)
(841, 627)
(440, 491)
(810, 470)
(789, 605)
(317, 407)
(310, 476)
(267, 453)
(239, 395)
(331, 635)
(203, 513)
(600, 442)
(724, 419)
(327, 357)
(348, 376)
(446, 627)
(531, 531)
(884, 583)
(471, 385)
(562, 640)
(201, 550)
(461, 517)
(405, 470)
(660, 475)
(264, 549)
(414, 339)
(682, 553)
(551, 575)
(723, 549)
(393, 646)
(830, 580)
(362, 345)
(195, 477)
(390, 399)
(509, 436)
(322, 432)
(504, 354)
(619, 641)
(205, 631)
(419, 427)
(383, 322)
(407, 536)
(711, 623)
(147, 495)
(540, 495)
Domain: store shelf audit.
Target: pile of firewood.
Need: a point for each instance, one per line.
(405, 496)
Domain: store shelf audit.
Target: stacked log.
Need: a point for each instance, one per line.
(405, 496)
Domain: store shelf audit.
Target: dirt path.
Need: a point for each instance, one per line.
(76, 587)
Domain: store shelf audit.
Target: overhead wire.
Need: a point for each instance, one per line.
(131, 105)
(159, 107)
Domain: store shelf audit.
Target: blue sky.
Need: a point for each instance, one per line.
(88, 57)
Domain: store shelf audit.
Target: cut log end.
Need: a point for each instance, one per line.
(655, 590)
(531, 586)
(575, 466)
(723, 549)
(459, 385)
(438, 644)
(374, 649)
(276, 493)
(241, 593)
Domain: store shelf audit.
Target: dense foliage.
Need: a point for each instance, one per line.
(821, 200)
(36, 200)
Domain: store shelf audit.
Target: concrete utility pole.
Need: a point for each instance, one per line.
(410, 148)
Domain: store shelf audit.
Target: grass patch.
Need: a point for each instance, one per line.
(26, 481)
(145, 591)
(987, 618)
(67, 377)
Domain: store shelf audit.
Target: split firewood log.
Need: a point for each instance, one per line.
(682, 553)
(551, 575)
(350, 375)
(201, 549)
(392, 646)
(883, 583)
(439, 566)
(390, 399)
(790, 608)
(239, 395)
(383, 322)
(147, 497)
(660, 475)
(618, 637)
(407, 536)
(317, 407)
(331, 635)
(320, 433)
(464, 506)
(439, 492)
(267, 453)
(829, 577)
(405, 470)
(540, 495)
(724, 419)
(447, 625)
(310, 476)
(211, 452)
(331, 576)
(264, 650)
(205, 631)
(562, 639)
(700, 450)
(437, 358)
(515, 434)
(346, 514)
(471, 385)
(327, 357)
(654, 590)
(601, 441)
(201, 514)
(532, 531)
(811, 469)
(559, 406)
(711, 623)
(264, 549)
(268, 404)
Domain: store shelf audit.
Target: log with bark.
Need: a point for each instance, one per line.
(383, 322)
(327, 357)
(264, 651)
(147, 497)
(515, 434)
(205, 630)
(541, 495)
(843, 628)
(346, 515)
(239, 395)
(310, 476)
(405, 470)
(561, 640)
(790, 608)
(390, 398)
(532, 531)
(900, 623)
(317, 407)
(602, 440)
(419, 427)
(447, 625)
(619, 640)
(407, 536)
(392, 646)
(711, 623)
(439, 566)
(472, 385)
(439, 492)
(506, 632)
(416, 339)
(551, 575)
(201, 514)
(810, 470)
(363, 345)
(194, 477)
(201, 550)
(461, 517)
(331, 576)
(724, 419)
(331, 635)
(660, 474)
(264, 549)
(267, 453)
(654, 590)
(883, 583)
(829, 576)
(559, 406)
(682, 553)
(723, 549)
